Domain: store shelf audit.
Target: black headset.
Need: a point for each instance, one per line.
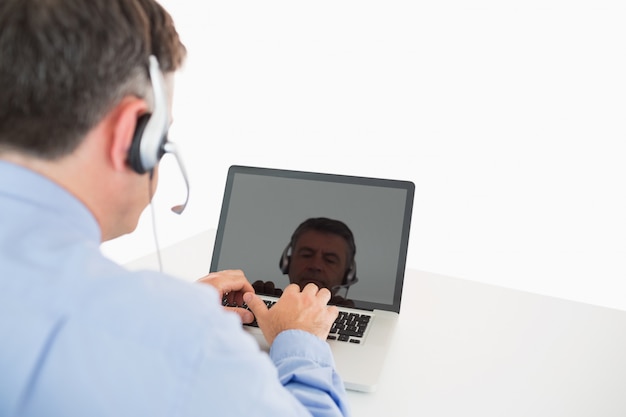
(349, 278)
(150, 137)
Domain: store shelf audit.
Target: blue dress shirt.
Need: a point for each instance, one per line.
(82, 336)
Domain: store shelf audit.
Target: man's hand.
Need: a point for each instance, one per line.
(231, 284)
(303, 310)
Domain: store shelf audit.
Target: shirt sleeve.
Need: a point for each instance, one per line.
(306, 368)
(233, 376)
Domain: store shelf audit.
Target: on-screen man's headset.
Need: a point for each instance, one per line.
(325, 225)
(150, 142)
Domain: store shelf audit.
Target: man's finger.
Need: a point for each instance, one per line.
(324, 294)
(245, 316)
(310, 288)
(255, 304)
(292, 288)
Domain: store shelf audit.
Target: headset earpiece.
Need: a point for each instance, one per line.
(350, 277)
(150, 135)
(134, 154)
(284, 260)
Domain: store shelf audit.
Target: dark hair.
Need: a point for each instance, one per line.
(65, 63)
(326, 225)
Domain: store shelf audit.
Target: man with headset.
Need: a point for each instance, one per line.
(322, 251)
(84, 113)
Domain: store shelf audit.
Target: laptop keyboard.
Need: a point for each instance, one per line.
(348, 327)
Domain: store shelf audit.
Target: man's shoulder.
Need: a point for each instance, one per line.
(100, 299)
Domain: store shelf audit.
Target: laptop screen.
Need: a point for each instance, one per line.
(263, 207)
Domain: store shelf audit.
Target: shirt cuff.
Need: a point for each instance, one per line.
(301, 344)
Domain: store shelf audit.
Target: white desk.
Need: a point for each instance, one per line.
(469, 349)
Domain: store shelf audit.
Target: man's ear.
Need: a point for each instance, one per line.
(124, 123)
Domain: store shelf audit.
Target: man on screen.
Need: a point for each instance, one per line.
(322, 251)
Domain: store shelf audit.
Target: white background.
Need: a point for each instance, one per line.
(509, 117)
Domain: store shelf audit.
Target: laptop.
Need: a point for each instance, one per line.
(262, 208)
